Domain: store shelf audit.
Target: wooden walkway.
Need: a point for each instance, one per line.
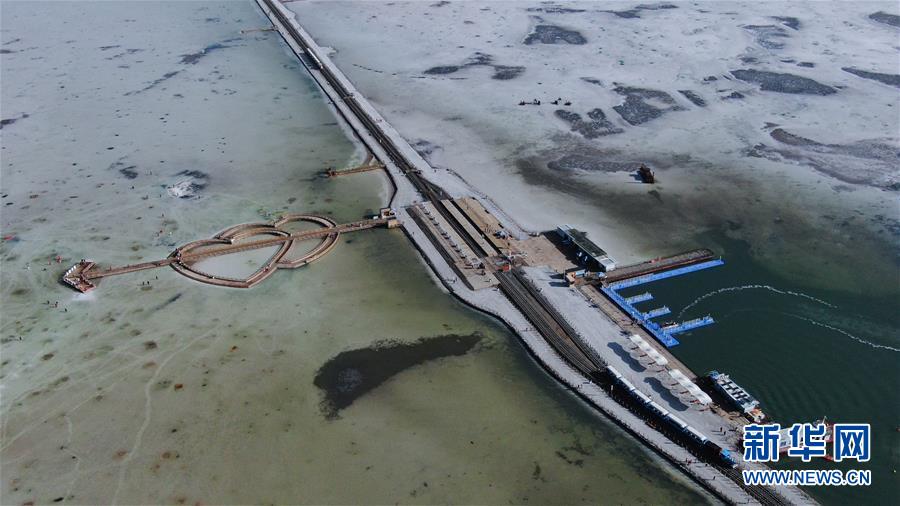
(369, 164)
(82, 276)
(659, 264)
(355, 170)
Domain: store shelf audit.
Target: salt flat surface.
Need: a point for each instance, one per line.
(157, 389)
(781, 151)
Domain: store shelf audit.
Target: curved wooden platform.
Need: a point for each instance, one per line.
(238, 238)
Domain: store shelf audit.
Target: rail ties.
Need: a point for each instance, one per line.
(545, 323)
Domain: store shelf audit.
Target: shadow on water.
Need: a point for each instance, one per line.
(351, 374)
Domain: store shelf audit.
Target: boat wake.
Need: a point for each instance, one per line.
(851, 336)
(753, 287)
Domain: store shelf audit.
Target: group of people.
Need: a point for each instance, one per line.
(535, 101)
(56, 305)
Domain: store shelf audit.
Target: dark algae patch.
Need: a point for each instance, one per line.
(591, 163)
(10, 121)
(768, 36)
(506, 72)
(889, 79)
(156, 82)
(788, 21)
(555, 9)
(595, 126)
(193, 58)
(551, 34)
(351, 374)
(129, 172)
(501, 72)
(693, 97)
(642, 104)
(836, 160)
(636, 12)
(442, 69)
(886, 18)
(783, 83)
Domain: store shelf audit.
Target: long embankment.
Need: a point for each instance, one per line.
(405, 168)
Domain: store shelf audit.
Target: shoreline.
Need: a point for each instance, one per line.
(486, 301)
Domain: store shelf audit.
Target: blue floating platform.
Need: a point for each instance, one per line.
(689, 325)
(662, 336)
(653, 313)
(648, 278)
(641, 297)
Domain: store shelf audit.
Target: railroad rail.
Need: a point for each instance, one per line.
(428, 190)
(518, 292)
(545, 323)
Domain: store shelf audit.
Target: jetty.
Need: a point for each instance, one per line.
(486, 260)
(369, 164)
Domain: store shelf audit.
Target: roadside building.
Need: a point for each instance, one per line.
(588, 254)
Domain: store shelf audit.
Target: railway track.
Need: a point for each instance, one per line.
(428, 190)
(545, 322)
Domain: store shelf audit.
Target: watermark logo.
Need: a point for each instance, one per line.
(806, 441)
(852, 441)
(761, 442)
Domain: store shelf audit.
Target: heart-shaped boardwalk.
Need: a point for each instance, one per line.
(240, 238)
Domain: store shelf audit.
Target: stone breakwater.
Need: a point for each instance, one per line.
(489, 301)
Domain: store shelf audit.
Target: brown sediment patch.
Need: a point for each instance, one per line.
(351, 374)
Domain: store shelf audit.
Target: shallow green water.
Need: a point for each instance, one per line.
(156, 389)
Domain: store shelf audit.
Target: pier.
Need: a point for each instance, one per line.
(636, 299)
(647, 272)
(369, 164)
(655, 313)
(660, 264)
(545, 327)
(675, 328)
(663, 274)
